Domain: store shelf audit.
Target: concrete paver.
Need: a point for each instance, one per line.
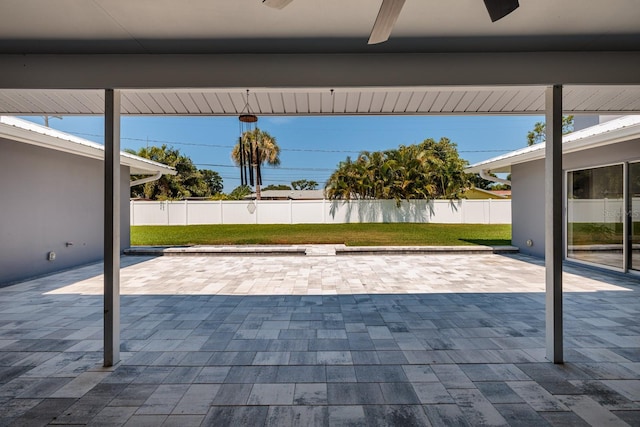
(322, 339)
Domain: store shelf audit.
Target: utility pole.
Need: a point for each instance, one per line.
(46, 119)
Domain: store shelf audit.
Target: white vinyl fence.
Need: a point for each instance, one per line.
(319, 212)
(602, 210)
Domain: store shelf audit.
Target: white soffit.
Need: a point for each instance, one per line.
(325, 101)
(14, 129)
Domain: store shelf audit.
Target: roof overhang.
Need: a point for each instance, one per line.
(608, 133)
(30, 133)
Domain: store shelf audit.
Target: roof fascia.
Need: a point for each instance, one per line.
(571, 146)
(13, 129)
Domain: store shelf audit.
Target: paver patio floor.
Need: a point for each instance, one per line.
(321, 340)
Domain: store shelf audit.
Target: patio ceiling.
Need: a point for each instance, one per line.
(328, 26)
(440, 59)
(326, 101)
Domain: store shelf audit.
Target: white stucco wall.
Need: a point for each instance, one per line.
(49, 198)
(527, 207)
(527, 189)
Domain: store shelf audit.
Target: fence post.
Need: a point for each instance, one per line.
(166, 208)
(132, 219)
(221, 213)
(490, 222)
(290, 211)
(186, 212)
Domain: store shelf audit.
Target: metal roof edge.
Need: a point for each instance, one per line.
(34, 134)
(610, 132)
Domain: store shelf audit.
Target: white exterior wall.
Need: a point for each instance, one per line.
(49, 198)
(320, 212)
(527, 191)
(527, 207)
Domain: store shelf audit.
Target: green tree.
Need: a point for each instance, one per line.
(431, 169)
(213, 181)
(477, 181)
(303, 184)
(501, 186)
(537, 134)
(188, 182)
(240, 192)
(276, 187)
(259, 146)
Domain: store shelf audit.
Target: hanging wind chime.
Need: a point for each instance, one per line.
(249, 152)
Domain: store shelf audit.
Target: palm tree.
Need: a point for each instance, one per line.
(261, 148)
(420, 171)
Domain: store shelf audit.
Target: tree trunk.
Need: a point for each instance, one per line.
(258, 195)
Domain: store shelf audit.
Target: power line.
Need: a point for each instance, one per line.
(272, 168)
(309, 150)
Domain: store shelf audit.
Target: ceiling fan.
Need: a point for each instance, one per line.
(390, 10)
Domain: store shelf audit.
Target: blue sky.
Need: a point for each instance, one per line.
(311, 146)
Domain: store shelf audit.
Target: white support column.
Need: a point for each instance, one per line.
(111, 227)
(553, 223)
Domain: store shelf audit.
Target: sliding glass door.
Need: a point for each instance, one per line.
(595, 216)
(634, 195)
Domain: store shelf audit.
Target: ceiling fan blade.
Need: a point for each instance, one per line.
(387, 17)
(498, 9)
(277, 4)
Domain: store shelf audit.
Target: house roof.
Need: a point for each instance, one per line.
(488, 193)
(607, 133)
(30, 133)
(292, 194)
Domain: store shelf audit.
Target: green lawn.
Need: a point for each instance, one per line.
(349, 234)
(598, 233)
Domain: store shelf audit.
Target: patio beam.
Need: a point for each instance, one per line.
(111, 227)
(553, 223)
(148, 71)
